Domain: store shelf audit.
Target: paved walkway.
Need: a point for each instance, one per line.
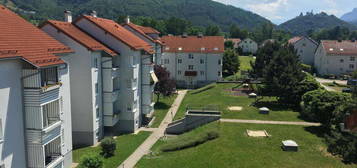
(145, 147)
(270, 122)
(321, 81)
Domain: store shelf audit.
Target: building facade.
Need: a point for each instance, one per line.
(35, 96)
(336, 57)
(90, 90)
(193, 61)
(305, 48)
(135, 65)
(249, 46)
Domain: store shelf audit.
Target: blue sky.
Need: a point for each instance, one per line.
(279, 11)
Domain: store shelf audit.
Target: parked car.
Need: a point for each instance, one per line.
(352, 82)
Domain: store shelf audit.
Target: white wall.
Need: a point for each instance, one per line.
(12, 149)
(305, 49)
(249, 46)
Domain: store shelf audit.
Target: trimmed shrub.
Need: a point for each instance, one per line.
(188, 142)
(108, 146)
(91, 161)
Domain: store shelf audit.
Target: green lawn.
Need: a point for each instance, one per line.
(235, 149)
(221, 96)
(126, 145)
(161, 109)
(244, 66)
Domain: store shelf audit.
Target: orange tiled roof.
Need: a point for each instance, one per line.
(120, 33)
(19, 38)
(81, 37)
(234, 40)
(194, 44)
(334, 47)
(294, 40)
(144, 31)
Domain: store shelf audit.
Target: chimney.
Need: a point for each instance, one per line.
(93, 13)
(68, 16)
(127, 19)
(200, 35)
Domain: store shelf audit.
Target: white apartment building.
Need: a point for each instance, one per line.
(91, 82)
(193, 61)
(135, 66)
(149, 35)
(336, 57)
(305, 48)
(248, 46)
(35, 113)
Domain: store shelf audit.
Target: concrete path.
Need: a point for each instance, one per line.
(270, 122)
(145, 147)
(321, 81)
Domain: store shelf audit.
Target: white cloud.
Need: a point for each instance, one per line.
(269, 9)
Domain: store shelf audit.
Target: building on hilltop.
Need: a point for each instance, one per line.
(334, 57)
(35, 102)
(305, 48)
(193, 61)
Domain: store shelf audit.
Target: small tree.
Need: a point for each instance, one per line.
(91, 161)
(230, 62)
(166, 86)
(264, 55)
(108, 146)
(228, 44)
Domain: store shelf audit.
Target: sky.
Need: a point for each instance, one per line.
(279, 11)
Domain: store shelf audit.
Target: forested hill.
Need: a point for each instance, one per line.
(198, 12)
(305, 24)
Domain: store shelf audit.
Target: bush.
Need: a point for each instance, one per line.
(343, 144)
(319, 105)
(91, 161)
(108, 146)
(307, 68)
(188, 142)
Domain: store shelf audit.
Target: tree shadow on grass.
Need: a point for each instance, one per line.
(316, 130)
(161, 105)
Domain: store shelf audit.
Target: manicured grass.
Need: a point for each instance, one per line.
(126, 145)
(161, 109)
(244, 66)
(235, 149)
(222, 97)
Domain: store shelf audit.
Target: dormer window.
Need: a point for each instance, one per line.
(341, 49)
(216, 49)
(202, 49)
(167, 48)
(331, 49)
(180, 48)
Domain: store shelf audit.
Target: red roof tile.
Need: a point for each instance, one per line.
(194, 44)
(294, 40)
(19, 38)
(144, 31)
(333, 47)
(79, 36)
(120, 33)
(234, 40)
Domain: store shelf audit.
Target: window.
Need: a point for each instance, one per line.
(216, 49)
(202, 49)
(352, 66)
(202, 73)
(166, 61)
(190, 56)
(352, 58)
(179, 61)
(219, 73)
(49, 76)
(179, 72)
(129, 107)
(97, 112)
(202, 61)
(167, 48)
(128, 83)
(304, 45)
(180, 48)
(96, 89)
(190, 67)
(341, 60)
(219, 62)
(96, 62)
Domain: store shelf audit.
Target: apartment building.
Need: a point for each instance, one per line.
(248, 46)
(305, 48)
(135, 64)
(336, 57)
(193, 61)
(35, 113)
(149, 35)
(94, 83)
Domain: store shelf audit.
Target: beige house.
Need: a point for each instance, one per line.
(305, 48)
(336, 57)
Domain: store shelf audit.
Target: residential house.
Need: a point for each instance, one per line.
(193, 61)
(249, 46)
(35, 113)
(94, 83)
(235, 41)
(149, 35)
(135, 64)
(305, 48)
(336, 57)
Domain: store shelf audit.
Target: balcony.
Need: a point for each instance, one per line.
(53, 156)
